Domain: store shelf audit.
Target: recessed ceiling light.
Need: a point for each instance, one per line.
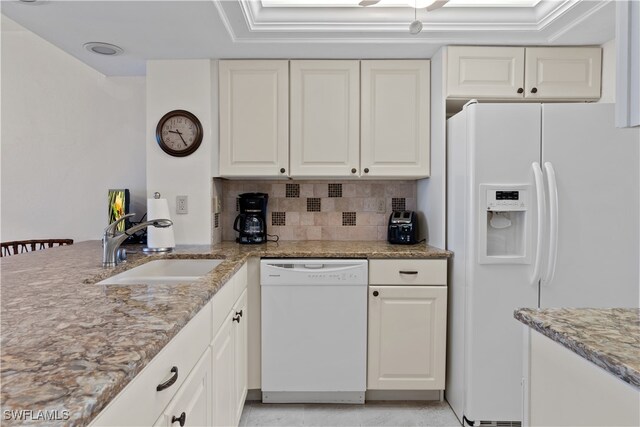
(103, 48)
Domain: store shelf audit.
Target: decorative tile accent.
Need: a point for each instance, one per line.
(292, 190)
(216, 220)
(335, 190)
(398, 203)
(315, 209)
(313, 204)
(278, 218)
(348, 218)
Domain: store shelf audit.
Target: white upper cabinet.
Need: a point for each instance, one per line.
(548, 73)
(395, 118)
(325, 118)
(485, 72)
(563, 72)
(254, 117)
(349, 118)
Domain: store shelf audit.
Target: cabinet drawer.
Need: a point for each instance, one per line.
(139, 403)
(408, 272)
(193, 398)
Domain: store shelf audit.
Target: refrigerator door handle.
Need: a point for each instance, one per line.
(553, 223)
(537, 175)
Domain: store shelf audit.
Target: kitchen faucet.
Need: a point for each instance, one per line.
(111, 240)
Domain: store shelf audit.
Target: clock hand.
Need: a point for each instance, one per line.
(180, 135)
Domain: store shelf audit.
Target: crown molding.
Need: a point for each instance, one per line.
(247, 21)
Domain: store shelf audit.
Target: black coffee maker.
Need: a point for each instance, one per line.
(251, 224)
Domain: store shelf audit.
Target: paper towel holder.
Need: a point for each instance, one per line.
(147, 249)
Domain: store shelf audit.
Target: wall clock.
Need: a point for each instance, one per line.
(179, 133)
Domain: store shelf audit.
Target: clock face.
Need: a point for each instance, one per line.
(179, 133)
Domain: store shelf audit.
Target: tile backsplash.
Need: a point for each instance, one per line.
(317, 210)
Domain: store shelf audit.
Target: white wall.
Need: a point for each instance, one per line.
(68, 135)
(628, 63)
(186, 85)
(608, 72)
(431, 192)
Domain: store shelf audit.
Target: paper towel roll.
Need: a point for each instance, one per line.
(159, 237)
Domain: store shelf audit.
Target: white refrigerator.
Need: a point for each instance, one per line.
(542, 211)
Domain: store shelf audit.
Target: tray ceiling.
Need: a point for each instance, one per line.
(306, 29)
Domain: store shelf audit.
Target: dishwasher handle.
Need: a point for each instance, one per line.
(313, 266)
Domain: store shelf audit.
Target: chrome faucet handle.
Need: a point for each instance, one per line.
(111, 228)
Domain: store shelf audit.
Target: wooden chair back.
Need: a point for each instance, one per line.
(22, 246)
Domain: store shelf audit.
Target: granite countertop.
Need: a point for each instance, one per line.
(608, 337)
(70, 345)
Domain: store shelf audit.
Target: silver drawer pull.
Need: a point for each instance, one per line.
(407, 272)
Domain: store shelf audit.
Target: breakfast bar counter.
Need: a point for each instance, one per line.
(607, 337)
(69, 346)
(582, 366)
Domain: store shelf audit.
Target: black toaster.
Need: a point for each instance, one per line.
(403, 228)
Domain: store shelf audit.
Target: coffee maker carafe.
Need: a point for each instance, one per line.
(251, 223)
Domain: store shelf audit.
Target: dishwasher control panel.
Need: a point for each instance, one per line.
(313, 272)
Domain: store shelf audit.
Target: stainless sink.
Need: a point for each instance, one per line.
(164, 271)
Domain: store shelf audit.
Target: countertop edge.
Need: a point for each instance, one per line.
(604, 361)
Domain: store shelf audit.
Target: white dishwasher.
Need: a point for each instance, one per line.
(314, 330)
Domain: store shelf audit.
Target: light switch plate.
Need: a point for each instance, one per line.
(182, 204)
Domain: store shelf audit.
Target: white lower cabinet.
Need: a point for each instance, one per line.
(146, 397)
(407, 337)
(561, 388)
(407, 326)
(229, 356)
(190, 406)
(223, 395)
(241, 357)
(194, 380)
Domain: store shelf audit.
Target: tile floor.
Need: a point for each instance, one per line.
(383, 413)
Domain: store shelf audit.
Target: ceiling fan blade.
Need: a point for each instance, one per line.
(437, 5)
(366, 3)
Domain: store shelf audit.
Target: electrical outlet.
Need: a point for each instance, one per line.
(217, 205)
(182, 205)
(381, 206)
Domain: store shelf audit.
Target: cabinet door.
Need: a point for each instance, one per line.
(485, 72)
(241, 357)
(254, 118)
(407, 337)
(395, 118)
(563, 73)
(325, 118)
(193, 399)
(223, 374)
